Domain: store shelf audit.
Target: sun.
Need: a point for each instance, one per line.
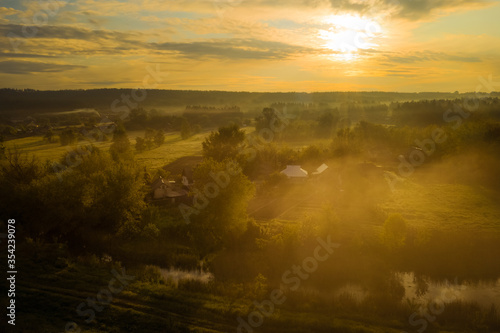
(347, 34)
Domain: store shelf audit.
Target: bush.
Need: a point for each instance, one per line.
(151, 274)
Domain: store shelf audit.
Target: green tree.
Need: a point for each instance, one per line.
(49, 135)
(140, 144)
(226, 143)
(159, 138)
(88, 204)
(226, 192)
(269, 119)
(149, 138)
(186, 131)
(2, 147)
(120, 148)
(67, 137)
(20, 168)
(326, 122)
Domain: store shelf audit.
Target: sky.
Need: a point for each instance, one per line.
(250, 45)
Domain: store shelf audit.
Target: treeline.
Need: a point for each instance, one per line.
(211, 109)
(434, 112)
(29, 101)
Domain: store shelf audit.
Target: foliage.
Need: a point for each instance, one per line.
(67, 137)
(226, 143)
(120, 148)
(225, 216)
(96, 196)
(140, 144)
(49, 136)
(186, 130)
(152, 138)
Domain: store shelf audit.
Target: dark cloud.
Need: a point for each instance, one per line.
(409, 9)
(66, 32)
(25, 55)
(427, 56)
(416, 9)
(109, 41)
(114, 42)
(235, 49)
(463, 59)
(29, 67)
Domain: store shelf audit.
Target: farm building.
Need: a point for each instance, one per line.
(163, 189)
(295, 172)
(322, 168)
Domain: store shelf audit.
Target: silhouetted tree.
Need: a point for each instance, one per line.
(67, 137)
(159, 138)
(225, 143)
(140, 144)
(120, 148)
(185, 129)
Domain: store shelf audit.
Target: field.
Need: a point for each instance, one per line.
(173, 148)
(446, 206)
(432, 227)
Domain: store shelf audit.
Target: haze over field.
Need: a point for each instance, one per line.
(271, 166)
(258, 45)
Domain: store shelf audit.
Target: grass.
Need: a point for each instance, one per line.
(173, 148)
(445, 206)
(145, 307)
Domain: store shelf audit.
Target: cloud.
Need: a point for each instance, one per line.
(29, 67)
(236, 49)
(4, 11)
(406, 9)
(68, 32)
(67, 40)
(417, 9)
(24, 55)
(425, 56)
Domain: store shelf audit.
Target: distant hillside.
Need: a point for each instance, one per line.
(16, 102)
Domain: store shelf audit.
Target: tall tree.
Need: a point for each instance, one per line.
(186, 131)
(226, 143)
(120, 148)
(223, 192)
(140, 144)
(159, 137)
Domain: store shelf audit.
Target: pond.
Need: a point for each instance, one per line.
(484, 293)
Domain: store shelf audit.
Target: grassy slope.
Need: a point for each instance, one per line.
(446, 206)
(173, 148)
(48, 298)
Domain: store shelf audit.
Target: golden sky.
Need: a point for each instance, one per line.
(250, 45)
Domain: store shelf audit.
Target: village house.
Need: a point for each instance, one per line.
(295, 173)
(162, 189)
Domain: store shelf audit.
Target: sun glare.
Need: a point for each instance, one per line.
(346, 34)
